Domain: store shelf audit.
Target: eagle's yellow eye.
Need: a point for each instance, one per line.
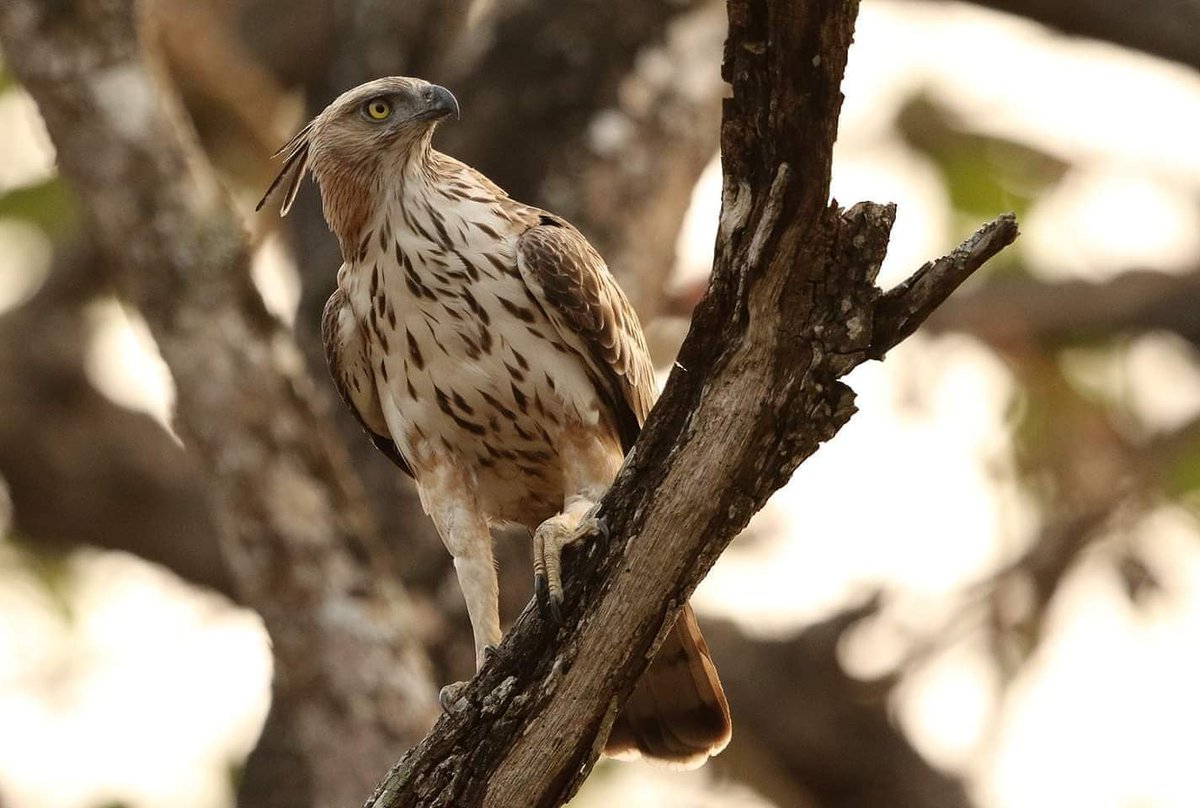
(378, 109)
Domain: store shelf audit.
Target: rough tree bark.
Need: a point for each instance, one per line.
(791, 308)
(288, 514)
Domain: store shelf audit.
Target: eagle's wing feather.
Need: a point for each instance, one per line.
(571, 283)
(351, 371)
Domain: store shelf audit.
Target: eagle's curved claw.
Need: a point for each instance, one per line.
(548, 542)
(556, 604)
(597, 525)
(541, 593)
(549, 606)
(450, 695)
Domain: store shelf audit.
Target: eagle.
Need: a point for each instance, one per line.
(485, 349)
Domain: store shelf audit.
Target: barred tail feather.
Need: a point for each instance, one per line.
(677, 714)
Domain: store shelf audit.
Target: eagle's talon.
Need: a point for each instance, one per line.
(541, 591)
(556, 604)
(490, 652)
(589, 527)
(451, 695)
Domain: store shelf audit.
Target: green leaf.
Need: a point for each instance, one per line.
(984, 174)
(1182, 476)
(48, 205)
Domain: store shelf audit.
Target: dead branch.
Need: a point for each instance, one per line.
(901, 310)
(791, 308)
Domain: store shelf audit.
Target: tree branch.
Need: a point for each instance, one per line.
(901, 310)
(289, 514)
(1009, 309)
(791, 308)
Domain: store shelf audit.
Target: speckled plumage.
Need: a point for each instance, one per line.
(468, 330)
(486, 349)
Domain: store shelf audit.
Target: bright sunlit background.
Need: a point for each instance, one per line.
(154, 691)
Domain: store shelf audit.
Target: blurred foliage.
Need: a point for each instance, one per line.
(1181, 477)
(1082, 453)
(47, 205)
(982, 174)
(235, 770)
(1138, 580)
(50, 570)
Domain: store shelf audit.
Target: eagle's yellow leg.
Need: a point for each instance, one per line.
(449, 497)
(575, 522)
(590, 461)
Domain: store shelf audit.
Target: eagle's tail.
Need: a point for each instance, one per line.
(677, 714)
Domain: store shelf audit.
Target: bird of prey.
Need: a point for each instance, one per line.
(485, 348)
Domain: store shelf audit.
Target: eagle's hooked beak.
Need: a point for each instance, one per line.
(439, 102)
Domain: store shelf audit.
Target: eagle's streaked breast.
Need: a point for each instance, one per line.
(466, 362)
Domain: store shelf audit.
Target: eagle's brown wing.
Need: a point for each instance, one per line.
(351, 371)
(571, 283)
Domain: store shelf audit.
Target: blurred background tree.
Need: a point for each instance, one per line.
(1011, 622)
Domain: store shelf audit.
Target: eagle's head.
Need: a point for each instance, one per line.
(381, 124)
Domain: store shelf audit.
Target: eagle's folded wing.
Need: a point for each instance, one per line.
(351, 371)
(571, 283)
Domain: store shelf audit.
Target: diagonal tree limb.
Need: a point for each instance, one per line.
(290, 519)
(901, 310)
(790, 309)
